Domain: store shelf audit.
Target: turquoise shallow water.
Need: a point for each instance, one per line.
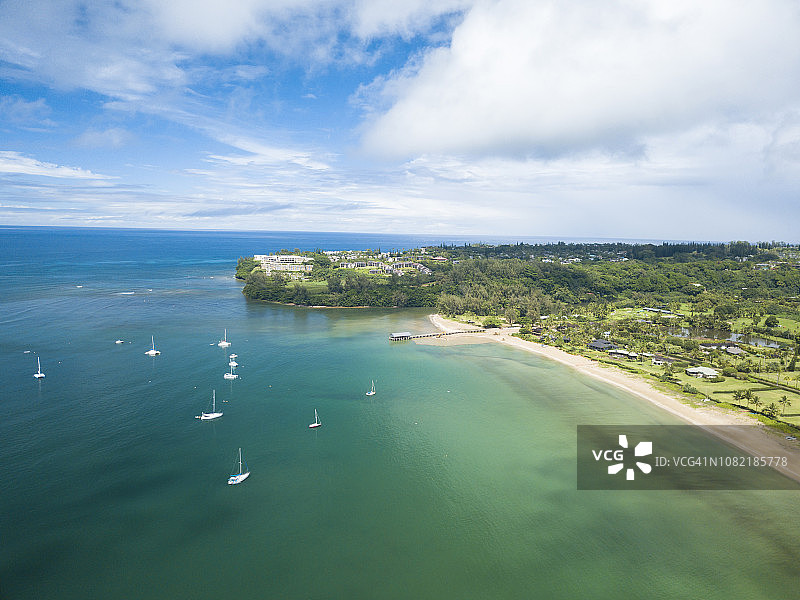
(456, 480)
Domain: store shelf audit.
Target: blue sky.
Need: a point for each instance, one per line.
(646, 119)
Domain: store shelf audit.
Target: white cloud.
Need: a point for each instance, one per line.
(129, 49)
(260, 154)
(209, 25)
(549, 77)
(622, 118)
(17, 110)
(372, 18)
(16, 163)
(113, 137)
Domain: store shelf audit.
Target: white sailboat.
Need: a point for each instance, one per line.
(224, 343)
(119, 342)
(372, 391)
(231, 375)
(233, 363)
(241, 475)
(316, 422)
(153, 351)
(38, 374)
(213, 414)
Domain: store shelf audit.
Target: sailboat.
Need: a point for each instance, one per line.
(224, 343)
(372, 391)
(231, 375)
(153, 351)
(38, 374)
(241, 475)
(233, 362)
(316, 422)
(213, 414)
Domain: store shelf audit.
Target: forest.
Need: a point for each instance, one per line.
(712, 283)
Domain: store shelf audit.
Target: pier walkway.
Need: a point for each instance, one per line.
(406, 335)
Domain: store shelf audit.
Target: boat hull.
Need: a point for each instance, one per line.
(236, 479)
(209, 416)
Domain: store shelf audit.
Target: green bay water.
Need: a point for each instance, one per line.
(456, 480)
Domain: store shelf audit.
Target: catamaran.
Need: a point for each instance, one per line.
(372, 391)
(213, 414)
(316, 422)
(231, 375)
(224, 343)
(153, 351)
(38, 374)
(241, 475)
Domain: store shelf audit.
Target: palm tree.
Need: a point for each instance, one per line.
(785, 402)
(756, 402)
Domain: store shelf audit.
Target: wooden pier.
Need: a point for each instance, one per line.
(406, 335)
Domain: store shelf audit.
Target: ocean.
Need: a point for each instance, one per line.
(457, 479)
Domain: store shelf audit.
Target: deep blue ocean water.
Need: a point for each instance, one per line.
(456, 480)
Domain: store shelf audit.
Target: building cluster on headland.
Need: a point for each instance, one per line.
(379, 263)
(286, 263)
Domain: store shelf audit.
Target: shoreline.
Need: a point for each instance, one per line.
(759, 440)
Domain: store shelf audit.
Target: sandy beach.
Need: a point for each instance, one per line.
(756, 439)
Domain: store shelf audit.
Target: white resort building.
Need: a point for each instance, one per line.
(284, 262)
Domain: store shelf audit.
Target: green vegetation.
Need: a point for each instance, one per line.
(737, 286)
(348, 289)
(643, 299)
(245, 266)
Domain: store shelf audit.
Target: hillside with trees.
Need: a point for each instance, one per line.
(712, 284)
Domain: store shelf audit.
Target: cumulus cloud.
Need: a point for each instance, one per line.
(372, 18)
(518, 116)
(549, 77)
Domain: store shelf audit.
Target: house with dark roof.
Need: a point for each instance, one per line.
(602, 345)
(619, 352)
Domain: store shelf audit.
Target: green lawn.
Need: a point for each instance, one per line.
(718, 392)
(784, 323)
